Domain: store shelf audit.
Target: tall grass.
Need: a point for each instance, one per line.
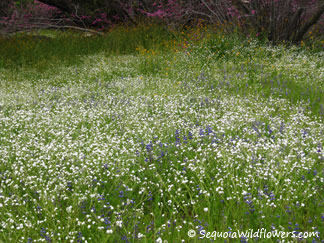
(40, 51)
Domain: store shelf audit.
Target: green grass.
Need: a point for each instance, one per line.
(41, 50)
(145, 133)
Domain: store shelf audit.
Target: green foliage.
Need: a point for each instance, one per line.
(22, 3)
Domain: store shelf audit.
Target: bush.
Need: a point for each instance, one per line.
(29, 15)
(277, 20)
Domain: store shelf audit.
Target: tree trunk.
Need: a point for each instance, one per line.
(313, 20)
(64, 5)
(83, 6)
(292, 28)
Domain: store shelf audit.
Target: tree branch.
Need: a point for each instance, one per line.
(53, 26)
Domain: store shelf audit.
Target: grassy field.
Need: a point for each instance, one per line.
(145, 134)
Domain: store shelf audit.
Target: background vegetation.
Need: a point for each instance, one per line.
(275, 20)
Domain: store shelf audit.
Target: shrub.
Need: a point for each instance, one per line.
(277, 20)
(29, 15)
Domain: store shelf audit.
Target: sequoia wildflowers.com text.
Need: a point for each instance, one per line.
(260, 233)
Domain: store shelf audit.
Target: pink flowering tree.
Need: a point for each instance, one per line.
(27, 15)
(32, 14)
(277, 20)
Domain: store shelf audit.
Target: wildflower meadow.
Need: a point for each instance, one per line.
(145, 134)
